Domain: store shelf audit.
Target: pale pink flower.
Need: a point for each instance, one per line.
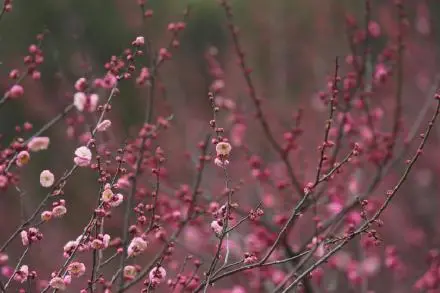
(22, 274)
(58, 283)
(59, 211)
(139, 41)
(38, 143)
(46, 216)
(79, 101)
(129, 272)
(117, 200)
(97, 244)
(23, 158)
(76, 269)
(82, 102)
(223, 148)
(24, 238)
(16, 91)
(107, 195)
(83, 156)
(67, 279)
(137, 246)
(46, 178)
(216, 227)
(94, 99)
(80, 84)
(103, 126)
(157, 275)
(221, 163)
(106, 240)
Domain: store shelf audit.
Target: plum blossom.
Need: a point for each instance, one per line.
(217, 227)
(83, 156)
(46, 216)
(46, 178)
(16, 91)
(58, 283)
(22, 274)
(23, 158)
(76, 269)
(129, 272)
(38, 143)
(223, 148)
(139, 41)
(103, 126)
(59, 211)
(107, 195)
(157, 275)
(83, 102)
(137, 246)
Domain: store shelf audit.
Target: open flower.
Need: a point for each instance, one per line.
(223, 148)
(217, 227)
(76, 269)
(46, 178)
(59, 211)
(58, 283)
(22, 274)
(157, 275)
(129, 272)
(38, 143)
(107, 195)
(83, 156)
(83, 102)
(23, 158)
(137, 246)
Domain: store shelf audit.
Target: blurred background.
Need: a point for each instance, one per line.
(291, 47)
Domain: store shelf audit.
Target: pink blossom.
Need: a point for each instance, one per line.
(83, 102)
(80, 84)
(58, 283)
(22, 274)
(24, 238)
(38, 143)
(83, 156)
(46, 178)
(16, 91)
(79, 100)
(103, 126)
(217, 227)
(59, 211)
(129, 272)
(139, 41)
(23, 158)
(137, 246)
(107, 195)
(76, 269)
(157, 275)
(46, 216)
(221, 163)
(117, 200)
